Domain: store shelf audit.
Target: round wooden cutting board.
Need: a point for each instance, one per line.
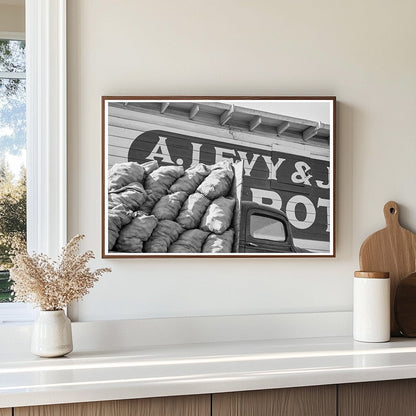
(405, 306)
(393, 250)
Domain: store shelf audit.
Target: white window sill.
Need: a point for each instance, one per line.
(16, 313)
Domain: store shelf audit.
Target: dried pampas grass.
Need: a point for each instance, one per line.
(53, 285)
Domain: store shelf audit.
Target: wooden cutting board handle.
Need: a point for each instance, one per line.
(393, 250)
(391, 214)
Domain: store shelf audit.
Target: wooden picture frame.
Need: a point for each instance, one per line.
(202, 176)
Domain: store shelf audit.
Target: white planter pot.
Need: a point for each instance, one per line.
(52, 334)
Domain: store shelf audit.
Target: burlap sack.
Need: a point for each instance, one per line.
(218, 216)
(131, 196)
(168, 207)
(222, 243)
(218, 182)
(191, 179)
(133, 234)
(149, 167)
(192, 211)
(121, 174)
(117, 218)
(157, 184)
(190, 241)
(165, 233)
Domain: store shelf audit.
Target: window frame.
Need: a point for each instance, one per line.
(46, 125)
(46, 107)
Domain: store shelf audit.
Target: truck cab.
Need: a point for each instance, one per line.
(265, 230)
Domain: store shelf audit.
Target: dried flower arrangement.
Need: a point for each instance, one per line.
(53, 285)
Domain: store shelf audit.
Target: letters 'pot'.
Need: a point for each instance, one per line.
(52, 334)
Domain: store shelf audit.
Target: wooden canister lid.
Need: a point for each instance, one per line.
(372, 275)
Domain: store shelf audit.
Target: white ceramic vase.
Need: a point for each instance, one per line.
(52, 334)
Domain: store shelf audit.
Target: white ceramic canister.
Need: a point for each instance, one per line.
(371, 310)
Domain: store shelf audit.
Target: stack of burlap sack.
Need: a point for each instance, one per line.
(154, 209)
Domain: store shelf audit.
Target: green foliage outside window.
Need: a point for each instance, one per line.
(12, 148)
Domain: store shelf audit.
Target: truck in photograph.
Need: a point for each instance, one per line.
(263, 229)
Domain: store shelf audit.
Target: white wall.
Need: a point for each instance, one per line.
(361, 51)
(12, 18)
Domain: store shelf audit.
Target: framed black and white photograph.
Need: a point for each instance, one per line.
(218, 176)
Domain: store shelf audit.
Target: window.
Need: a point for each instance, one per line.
(12, 155)
(46, 133)
(267, 228)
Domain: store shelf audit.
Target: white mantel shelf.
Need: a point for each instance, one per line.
(151, 371)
